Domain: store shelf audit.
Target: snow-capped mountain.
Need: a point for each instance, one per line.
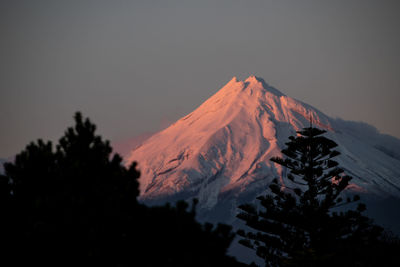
(220, 153)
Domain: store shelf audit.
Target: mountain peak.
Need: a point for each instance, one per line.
(251, 83)
(234, 79)
(254, 79)
(221, 151)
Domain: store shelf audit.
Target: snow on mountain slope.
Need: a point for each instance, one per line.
(220, 152)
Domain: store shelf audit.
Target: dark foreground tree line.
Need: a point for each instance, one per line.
(76, 204)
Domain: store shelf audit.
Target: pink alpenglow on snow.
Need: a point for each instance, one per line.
(222, 149)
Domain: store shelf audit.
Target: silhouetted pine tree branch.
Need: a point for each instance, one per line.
(297, 226)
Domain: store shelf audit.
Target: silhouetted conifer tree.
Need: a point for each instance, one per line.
(175, 238)
(76, 205)
(297, 225)
(71, 203)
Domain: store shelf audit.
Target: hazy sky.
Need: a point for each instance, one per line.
(135, 66)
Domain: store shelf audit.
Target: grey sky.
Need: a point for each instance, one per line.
(135, 66)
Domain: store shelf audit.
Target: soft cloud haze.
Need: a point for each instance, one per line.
(133, 65)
